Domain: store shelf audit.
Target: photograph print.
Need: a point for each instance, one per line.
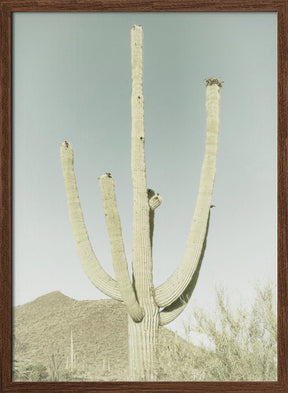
(144, 196)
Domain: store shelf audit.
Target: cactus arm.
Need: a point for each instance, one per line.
(117, 247)
(176, 284)
(154, 201)
(90, 263)
(151, 193)
(169, 313)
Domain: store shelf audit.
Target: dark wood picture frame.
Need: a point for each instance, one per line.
(7, 9)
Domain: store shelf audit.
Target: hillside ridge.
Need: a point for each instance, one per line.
(44, 328)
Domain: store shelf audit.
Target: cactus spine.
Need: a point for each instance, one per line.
(147, 307)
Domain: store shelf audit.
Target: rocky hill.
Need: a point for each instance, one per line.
(59, 338)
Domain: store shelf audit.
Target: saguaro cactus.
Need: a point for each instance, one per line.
(148, 307)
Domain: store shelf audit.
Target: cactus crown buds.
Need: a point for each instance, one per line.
(65, 143)
(214, 81)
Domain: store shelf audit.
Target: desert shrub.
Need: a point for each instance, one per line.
(56, 365)
(16, 371)
(179, 360)
(244, 340)
(73, 375)
(34, 373)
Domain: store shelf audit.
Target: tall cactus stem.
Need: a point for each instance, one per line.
(141, 252)
(142, 336)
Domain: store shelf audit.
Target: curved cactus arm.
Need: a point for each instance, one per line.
(169, 313)
(90, 263)
(117, 247)
(168, 292)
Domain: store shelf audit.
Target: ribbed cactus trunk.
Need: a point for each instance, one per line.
(148, 307)
(143, 335)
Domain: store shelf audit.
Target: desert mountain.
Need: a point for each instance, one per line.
(87, 340)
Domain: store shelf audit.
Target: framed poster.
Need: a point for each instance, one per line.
(87, 308)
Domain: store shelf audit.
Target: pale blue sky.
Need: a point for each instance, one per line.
(71, 81)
